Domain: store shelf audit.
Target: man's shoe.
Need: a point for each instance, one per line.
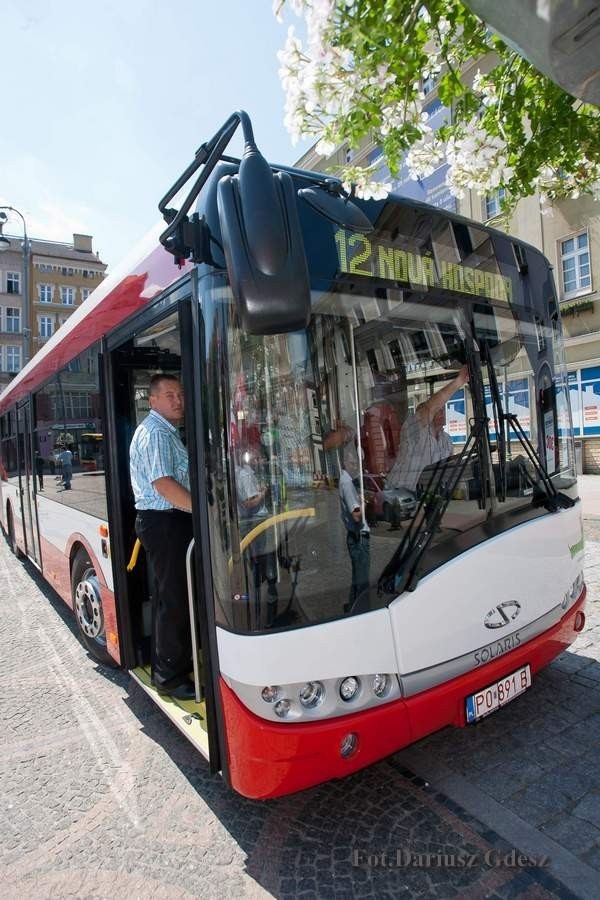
(184, 691)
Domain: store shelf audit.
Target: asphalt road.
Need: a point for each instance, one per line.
(101, 797)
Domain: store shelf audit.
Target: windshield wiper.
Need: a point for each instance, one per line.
(401, 573)
(555, 500)
(499, 417)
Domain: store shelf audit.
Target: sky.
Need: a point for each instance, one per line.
(105, 103)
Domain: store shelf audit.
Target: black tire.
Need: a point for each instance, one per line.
(87, 607)
(12, 538)
(387, 513)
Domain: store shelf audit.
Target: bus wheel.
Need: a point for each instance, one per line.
(87, 606)
(12, 538)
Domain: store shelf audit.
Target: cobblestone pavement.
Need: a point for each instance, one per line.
(101, 798)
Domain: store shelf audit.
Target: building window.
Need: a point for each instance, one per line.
(13, 359)
(575, 265)
(428, 84)
(85, 293)
(45, 293)
(493, 203)
(67, 296)
(13, 320)
(44, 267)
(77, 404)
(46, 326)
(13, 282)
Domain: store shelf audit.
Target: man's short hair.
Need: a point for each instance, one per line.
(156, 380)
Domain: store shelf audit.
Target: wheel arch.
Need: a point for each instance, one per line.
(78, 542)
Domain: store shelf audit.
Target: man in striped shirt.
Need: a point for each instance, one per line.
(159, 472)
(423, 441)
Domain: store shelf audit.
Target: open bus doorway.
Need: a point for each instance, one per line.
(155, 348)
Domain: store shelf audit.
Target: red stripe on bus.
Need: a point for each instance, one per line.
(155, 273)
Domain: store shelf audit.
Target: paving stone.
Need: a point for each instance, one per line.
(592, 857)
(576, 835)
(589, 808)
(537, 806)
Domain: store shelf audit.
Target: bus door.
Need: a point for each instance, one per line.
(26, 481)
(164, 342)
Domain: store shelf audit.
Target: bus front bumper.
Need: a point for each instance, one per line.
(267, 759)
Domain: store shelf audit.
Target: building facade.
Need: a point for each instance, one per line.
(569, 236)
(61, 277)
(11, 311)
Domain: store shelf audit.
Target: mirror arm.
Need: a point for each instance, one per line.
(182, 237)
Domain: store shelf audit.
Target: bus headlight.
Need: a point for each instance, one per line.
(349, 688)
(380, 685)
(318, 697)
(311, 694)
(270, 693)
(282, 708)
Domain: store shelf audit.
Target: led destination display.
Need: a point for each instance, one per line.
(360, 255)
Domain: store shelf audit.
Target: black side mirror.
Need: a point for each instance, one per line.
(263, 245)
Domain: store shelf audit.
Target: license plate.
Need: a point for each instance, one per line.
(498, 694)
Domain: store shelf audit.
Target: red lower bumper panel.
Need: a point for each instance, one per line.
(267, 759)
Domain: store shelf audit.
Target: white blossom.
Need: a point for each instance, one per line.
(424, 157)
(364, 187)
(553, 184)
(443, 26)
(477, 161)
(543, 10)
(325, 147)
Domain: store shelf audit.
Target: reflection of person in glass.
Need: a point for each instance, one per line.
(357, 530)
(251, 496)
(423, 441)
(66, 458)
(39, 469)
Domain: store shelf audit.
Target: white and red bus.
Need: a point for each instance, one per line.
(308, 327)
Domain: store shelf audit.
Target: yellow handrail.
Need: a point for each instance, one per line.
(134, 555)
(308, 513)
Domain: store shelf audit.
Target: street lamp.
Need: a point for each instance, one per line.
(5, 245)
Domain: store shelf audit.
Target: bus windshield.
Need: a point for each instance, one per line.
(335, 439)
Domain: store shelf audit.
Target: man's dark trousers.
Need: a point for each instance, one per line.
(165, 536)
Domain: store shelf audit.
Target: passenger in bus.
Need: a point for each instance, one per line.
(251, 494)
(423, 441)
(159, 470)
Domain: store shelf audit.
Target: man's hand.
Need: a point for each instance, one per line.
(462, 377)
(426, 411)
(357, 515)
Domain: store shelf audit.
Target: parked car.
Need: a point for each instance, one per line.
(380, 501)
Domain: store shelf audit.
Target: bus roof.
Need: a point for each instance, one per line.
(147, 271)
(142, 275)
